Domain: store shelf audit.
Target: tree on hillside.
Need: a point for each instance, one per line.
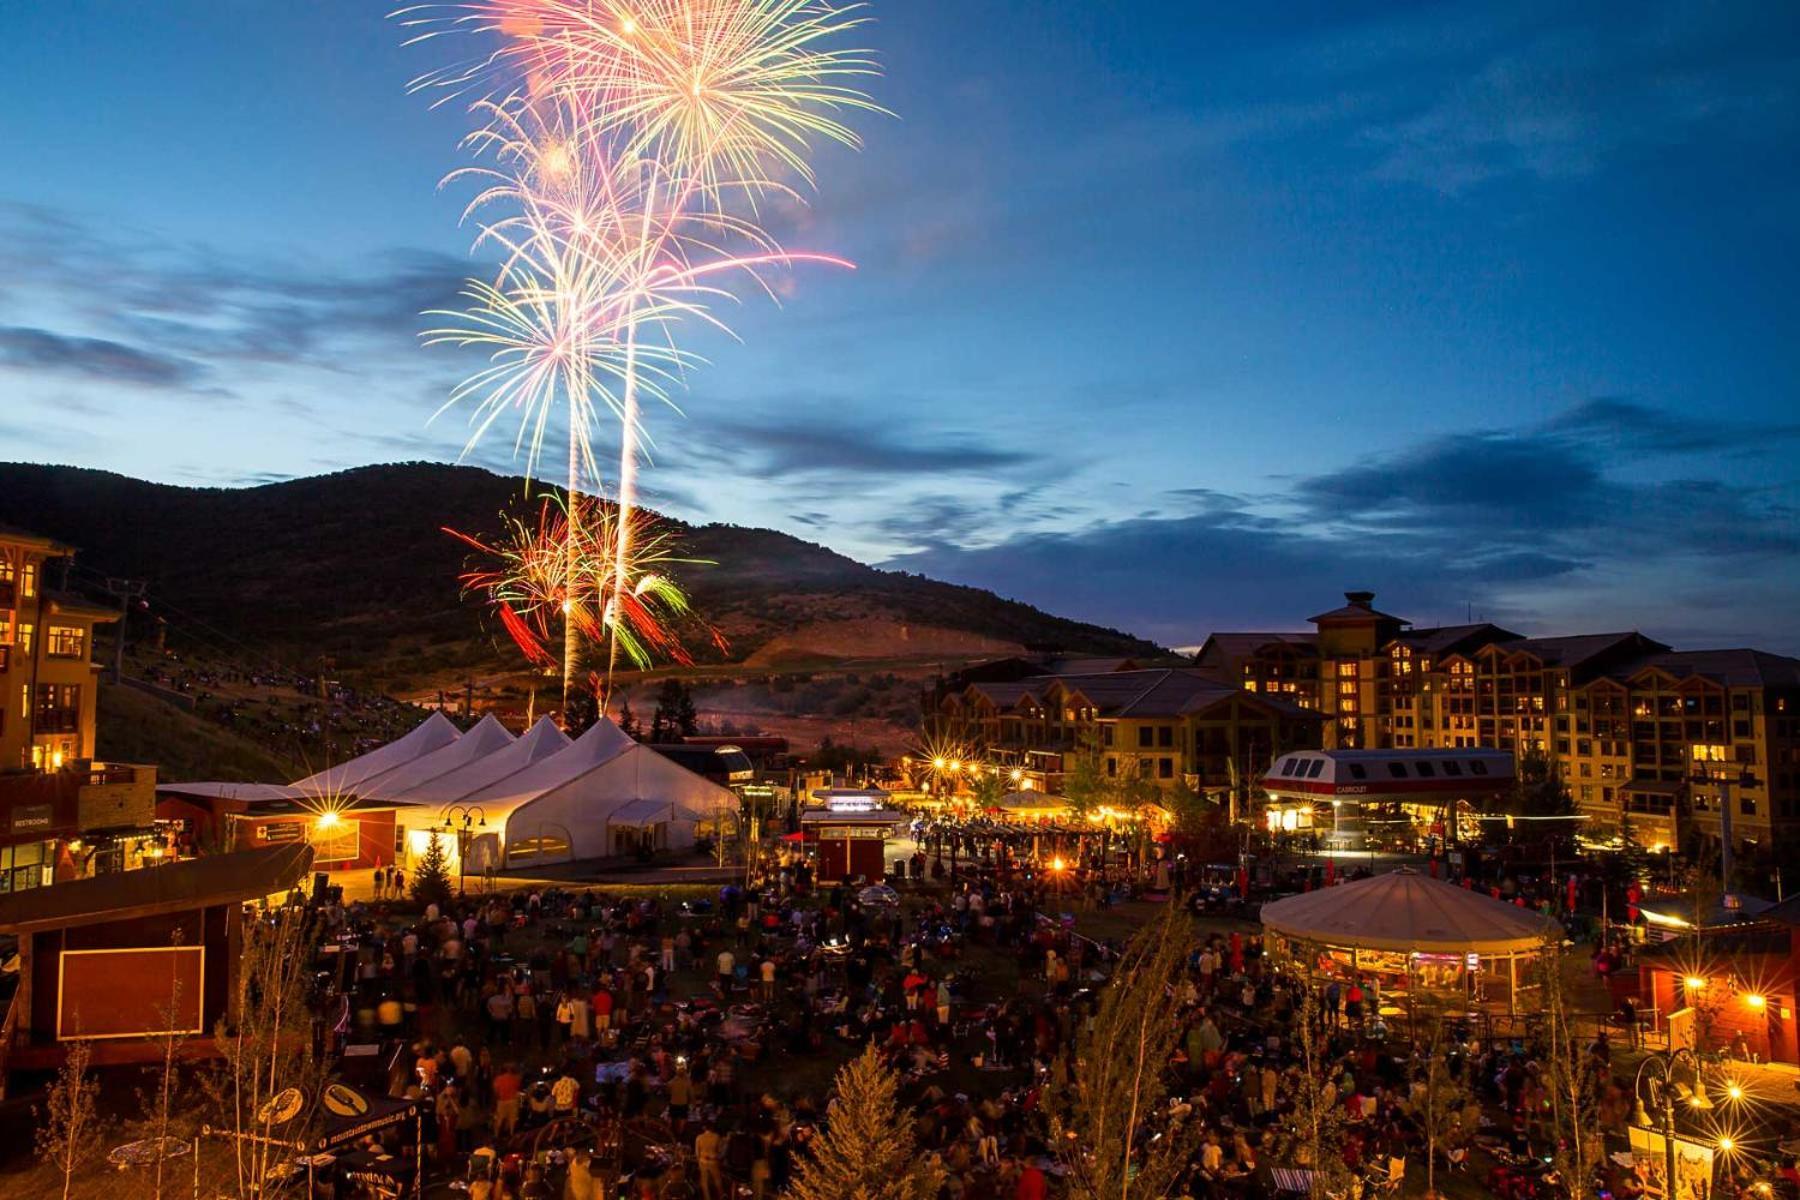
(628, 722)
(431, 878)
(674, 717)
(867, 1150)
(1107, 1091)
(68, 1133)
(580, 713)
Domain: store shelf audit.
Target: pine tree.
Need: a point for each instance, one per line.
(431, 879)
(867, 1151)
(687, 721)
(68, 1138)
(628, 722)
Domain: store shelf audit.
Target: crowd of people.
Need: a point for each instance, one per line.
(567, 1042)
(287, 711)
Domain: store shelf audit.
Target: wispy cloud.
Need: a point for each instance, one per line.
(101, 359)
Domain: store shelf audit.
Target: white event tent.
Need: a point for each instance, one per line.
(517, 801)
(601, 795)
(353, 775)
(439, 792)
(486, 737)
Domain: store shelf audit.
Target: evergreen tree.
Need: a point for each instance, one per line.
(867, 1151)
(687, 721)
(666, 721)
(431, 878)
(628, 722)
(581, 712)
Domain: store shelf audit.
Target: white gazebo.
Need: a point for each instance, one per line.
(1404, 924)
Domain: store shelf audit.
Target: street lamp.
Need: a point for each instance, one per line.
(471, 818)
(1664, 1094)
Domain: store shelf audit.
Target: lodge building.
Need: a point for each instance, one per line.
(1169, 725)
(1634, 726)
(62, 815)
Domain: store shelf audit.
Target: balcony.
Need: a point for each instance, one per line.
(117, 796)
(57, 720)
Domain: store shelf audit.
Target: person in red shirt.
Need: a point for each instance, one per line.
(507, 1085)
(1032, 1184)
(603, 1007)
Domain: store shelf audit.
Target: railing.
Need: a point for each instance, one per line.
(57, 720)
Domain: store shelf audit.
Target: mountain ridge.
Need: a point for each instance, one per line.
(354, 565)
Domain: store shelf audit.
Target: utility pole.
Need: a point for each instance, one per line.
(468, 698)
(125, 591)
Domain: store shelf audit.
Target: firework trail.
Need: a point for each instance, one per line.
(631, 142)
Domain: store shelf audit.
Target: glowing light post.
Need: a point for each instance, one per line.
(1664, 1095)
(471, 817)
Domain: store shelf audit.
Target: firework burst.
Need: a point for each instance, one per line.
(554, 568)
(613, 137)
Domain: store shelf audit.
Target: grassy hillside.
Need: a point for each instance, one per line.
(135, 727)
(354, 567)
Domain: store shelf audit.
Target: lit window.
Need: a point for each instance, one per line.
(64, 641)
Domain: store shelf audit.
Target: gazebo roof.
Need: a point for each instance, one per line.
(1405, 911)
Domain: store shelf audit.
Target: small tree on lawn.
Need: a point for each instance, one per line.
(1109, 1096)
(1318, 1118)
(1439, 1096)
(68, 1130)
(431, 878)
(162, 1120)
(867, 1151)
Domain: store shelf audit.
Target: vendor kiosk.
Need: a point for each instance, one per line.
(848, 829)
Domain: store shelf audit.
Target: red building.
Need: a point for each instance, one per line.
(1739, 981)
(111, 958)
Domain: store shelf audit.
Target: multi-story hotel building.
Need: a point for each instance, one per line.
(1168, 724)
(1632, 725)
(62, 815)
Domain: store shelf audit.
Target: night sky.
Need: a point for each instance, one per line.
(1174, 316)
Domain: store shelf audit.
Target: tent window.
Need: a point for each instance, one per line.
(546, 846)
(1313, 768)
(1397, 770)
(1477, 767)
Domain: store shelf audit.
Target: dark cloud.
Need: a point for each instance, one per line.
(1483, 518)
(812, 442)
(101, 359)
(194, 302)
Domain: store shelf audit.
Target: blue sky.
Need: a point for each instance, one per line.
(1173, 316)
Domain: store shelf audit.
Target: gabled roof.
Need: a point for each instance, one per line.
(599, 745)
(534, 745)
(1579, 650)
(1243, 645)
(433, 733)
(487, 736)
(37, 541)
(191, 883)
(1733, 668)
(1443, 639)
(1088, 666)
